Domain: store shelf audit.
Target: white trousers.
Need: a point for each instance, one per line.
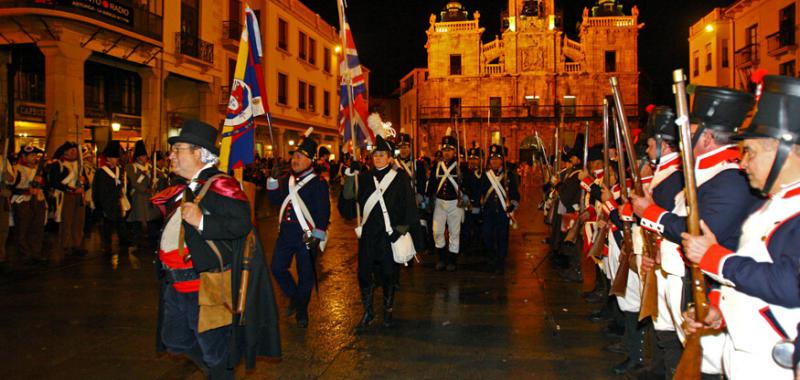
(447, 214)
(741, 365)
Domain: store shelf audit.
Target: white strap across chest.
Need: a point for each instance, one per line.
(377, 197)
(446, 175)
(300, 209)
(114, 175)
(497, 188)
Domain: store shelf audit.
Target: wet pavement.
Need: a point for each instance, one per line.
(87, 321)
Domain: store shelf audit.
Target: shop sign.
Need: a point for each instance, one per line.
(112, 9)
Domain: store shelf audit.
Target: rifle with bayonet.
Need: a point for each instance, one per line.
(689, 365)
(553, 210)
(596, 251)
(576, 228)
(649, 305)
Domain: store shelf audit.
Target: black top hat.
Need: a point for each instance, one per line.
(64, 148)
(198, 133)
(30, 149)
(448, 142)
(474, 153)
(720, 108)
(139, 149)
(595, 153)
(113, 149)
(497, 151)
(383, 145)
(403, 139)
(661, 123)
(776, 111)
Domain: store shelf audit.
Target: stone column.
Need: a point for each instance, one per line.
(154, 130)
(64, 85)
(278, 148)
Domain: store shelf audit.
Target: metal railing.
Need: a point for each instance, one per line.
(193, 46)
(782, 39)
(746, 55)
(129, 14)
(520, 112)
(231, 30)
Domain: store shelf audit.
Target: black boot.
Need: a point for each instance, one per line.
(291, 309)
(388, 305)
(366, 299)
(302, 312)
(442, 259)
(634, 341)
(451, 261)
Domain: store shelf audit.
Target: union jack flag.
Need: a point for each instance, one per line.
(353, 77)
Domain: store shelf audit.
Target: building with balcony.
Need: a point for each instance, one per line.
(135, 69)
(729, 43)
(522, 82)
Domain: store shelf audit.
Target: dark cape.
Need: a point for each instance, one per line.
(259, 336)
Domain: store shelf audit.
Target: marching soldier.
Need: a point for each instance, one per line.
(500, 197)
(143, 217)
(68, 184)
(108, 190)
(417, 175)
(388, 201)
(569, 198)
(758, 302)
(211, 214)
(724, 198)
(444, 188)
(28, 204)
(304, 217)
(162, 171)
(473, 181)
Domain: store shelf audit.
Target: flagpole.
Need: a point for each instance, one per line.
(349, 82)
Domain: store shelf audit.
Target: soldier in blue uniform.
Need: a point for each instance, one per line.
(499, 198)
(473, 178)
(304, 217)
(415, 169)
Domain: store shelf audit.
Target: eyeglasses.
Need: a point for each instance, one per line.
(177, 149)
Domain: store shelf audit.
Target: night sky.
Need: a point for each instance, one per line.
(390, 35)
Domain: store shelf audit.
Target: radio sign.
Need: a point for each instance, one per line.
(107, 8)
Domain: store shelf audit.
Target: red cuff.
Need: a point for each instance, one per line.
(713, 258)
(651, 218)
(609, 206)
(626, 213)
(586, 183)
(713, 297)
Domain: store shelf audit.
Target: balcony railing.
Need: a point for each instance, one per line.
(193, 46)
(520, 112)
(618, 22)
(780, 41)
(494, 68)
(455, 26)
(126, 14)
(573, 67)
(231, 30)
(747, 55)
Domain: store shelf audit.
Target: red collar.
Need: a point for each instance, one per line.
(674, 161)
(647, 179)
(791, 190)
(725, 154)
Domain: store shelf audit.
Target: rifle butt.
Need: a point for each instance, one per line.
(620, 285)
(649, 307)
(596, 251)
(691, 359)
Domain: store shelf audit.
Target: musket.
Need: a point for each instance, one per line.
(620, 285)
(551, 216)
(575, 230)
(689, 366)
(460, 201)
(649, 305)
(40, 167)
(596, 251)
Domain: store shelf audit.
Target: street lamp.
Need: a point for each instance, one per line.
(709, 28)
(116, 127)
(291, 142)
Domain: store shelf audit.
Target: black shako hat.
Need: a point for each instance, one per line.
(474, 153)
(113, 149)
(403, 139)
(661, 123)
(497, 151)
(324, 152)
(776, 111)
(577, 148)
(595, 153)
(720, 108)
(139, 149)
(197, 133)
(30, 149)
(383, 145)
(307, 146)
(448, 142)
(64, 148)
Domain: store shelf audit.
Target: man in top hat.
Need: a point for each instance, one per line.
(384, 192)
(473, 178)
(28, 203)
(758, 302)
(724, 198)
(209, 210)
(108, 190)
(304, 217)
(499, 199)
(66, 179)
(143, 218)
(444, 188)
